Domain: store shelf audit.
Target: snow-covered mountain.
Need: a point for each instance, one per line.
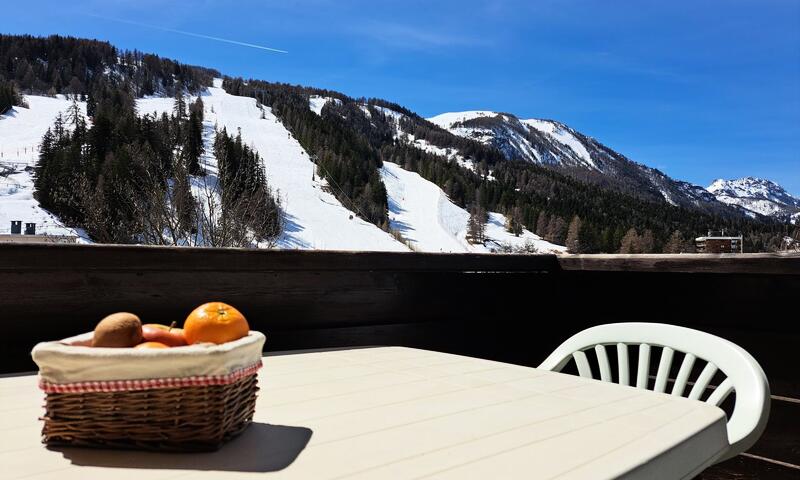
(757, 195)
(420, 214)
(554, 144)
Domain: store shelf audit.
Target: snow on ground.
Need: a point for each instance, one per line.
(152, 105)
(17, 203)
(757, 205)
(315, 102)
(497, 236)
(446, 120)
(423, 215)
(391, 115)
(314, 218)
(562, 136)
(21, 131)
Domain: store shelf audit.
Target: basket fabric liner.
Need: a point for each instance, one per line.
(149, 384)
(68, 368)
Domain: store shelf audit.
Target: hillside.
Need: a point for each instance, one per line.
(315, 219)
(355, 174)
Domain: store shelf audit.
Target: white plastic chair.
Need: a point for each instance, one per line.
(743, 374)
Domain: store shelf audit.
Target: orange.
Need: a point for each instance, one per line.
(151, 345)
(215, 322)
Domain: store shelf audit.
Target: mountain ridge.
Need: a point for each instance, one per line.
(556, 145)
(758, 195)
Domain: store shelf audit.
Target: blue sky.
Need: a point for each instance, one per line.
(700, 90)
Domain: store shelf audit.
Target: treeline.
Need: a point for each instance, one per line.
(67, 65)
(9, 97)
(249, 212)
(137, 179)
(548, 202)
(343, 157)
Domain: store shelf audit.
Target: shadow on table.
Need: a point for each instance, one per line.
(260, 448)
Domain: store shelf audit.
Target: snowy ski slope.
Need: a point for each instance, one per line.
(419, 210)
(314, 218)
(21, 131)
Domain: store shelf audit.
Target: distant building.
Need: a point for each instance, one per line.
(716, 242)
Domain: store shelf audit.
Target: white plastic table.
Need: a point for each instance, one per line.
(395, 412)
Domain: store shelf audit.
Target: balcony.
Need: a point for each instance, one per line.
(507, 308)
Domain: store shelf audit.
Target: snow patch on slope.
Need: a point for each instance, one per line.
(315, 103)
(755, 194)
(562, 136)
(448, 119)
(21, 131)
(423, 215)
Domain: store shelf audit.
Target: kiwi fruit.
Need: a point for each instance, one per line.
(118, 330)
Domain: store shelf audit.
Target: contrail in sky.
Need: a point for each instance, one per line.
(191, 34)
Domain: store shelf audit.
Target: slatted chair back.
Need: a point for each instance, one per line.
(742, 373)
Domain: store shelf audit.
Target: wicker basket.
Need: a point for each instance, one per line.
(197, 412)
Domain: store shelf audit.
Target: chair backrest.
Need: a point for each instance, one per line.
(741, 371)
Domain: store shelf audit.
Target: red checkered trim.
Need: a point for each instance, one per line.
(128, 385)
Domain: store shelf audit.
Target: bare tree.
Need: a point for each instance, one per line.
(166, 209)
(228, 219)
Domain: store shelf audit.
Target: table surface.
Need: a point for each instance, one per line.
(394, 412)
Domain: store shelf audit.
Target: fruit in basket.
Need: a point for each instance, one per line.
(215, 322)
(168, 335)
(118, 330)
(151, 345)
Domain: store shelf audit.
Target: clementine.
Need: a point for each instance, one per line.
(215, 322)
(151, 345)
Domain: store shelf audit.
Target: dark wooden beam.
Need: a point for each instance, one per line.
(748, 263)
(151, 258)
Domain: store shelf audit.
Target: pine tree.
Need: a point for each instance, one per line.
(179, 108)
(197, 107)
(574, 240)
(514, 221)
(193, 142)
(8, 96)
(476, 225)
(184, 203)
